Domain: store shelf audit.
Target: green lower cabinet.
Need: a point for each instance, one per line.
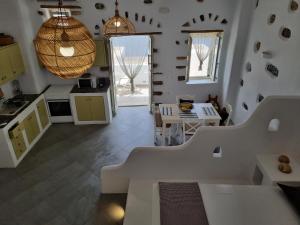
(19, 145)
(83, 108)
(98, 108)
(31, 127)
(43, 115)
(90, 108)
(18, 141)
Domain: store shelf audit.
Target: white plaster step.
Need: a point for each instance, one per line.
(139, 203)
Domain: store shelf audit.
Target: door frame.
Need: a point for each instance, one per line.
(112, 77)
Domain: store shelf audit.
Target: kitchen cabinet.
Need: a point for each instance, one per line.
(16, 60)
(11, 63)
(90, 108)
(18, 141)
(43, 114)
(101, 54)
(31, 127)
(5, 68)
(23, 131)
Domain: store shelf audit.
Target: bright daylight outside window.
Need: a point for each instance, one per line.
(48, 13)
(204, 56)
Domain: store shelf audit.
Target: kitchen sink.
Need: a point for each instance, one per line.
(12, 108)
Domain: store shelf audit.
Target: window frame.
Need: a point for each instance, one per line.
(210, 78)
(49, 12)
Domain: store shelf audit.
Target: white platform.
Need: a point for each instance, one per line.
(224, 205)
(247, 205)
(268, 165)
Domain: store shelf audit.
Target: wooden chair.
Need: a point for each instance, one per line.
(190, 126)
(229, 110)
(159, 127)
(226, 115)
(180, 99)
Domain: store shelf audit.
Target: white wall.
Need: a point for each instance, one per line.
(15, 20)
(9, 27)
(180, 12)
(236, 50)
(194, 160)
(285, 57)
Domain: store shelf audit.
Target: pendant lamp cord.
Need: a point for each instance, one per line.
(117, 8)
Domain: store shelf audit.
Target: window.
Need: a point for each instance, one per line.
(54, 12)
(204, 56)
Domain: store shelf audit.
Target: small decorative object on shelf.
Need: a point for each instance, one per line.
(187, 24)
(257, 46)
(285, 33)
(285, 168)
(248, 67)
(224, 21)
(99, 6)
(260, 98)
(271, 19)
(180, 67)
(284, 165)
(202, 18)
(158, 83)
(273, 70)
(294, 6)
(148, 1)
(284, 159)
(267, 54)
(181, 78)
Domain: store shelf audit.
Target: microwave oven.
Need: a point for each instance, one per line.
(87, 81)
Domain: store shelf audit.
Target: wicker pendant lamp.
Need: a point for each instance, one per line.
(118, 25)
(65, 46)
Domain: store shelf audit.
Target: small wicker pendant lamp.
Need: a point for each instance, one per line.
(65, 46)
(118, 25)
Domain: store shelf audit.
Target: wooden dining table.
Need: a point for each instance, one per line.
(171, 114)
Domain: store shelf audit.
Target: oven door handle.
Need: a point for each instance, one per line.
(59, 100)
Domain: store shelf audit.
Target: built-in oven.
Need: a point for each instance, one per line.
(58, 102)
(60, 110)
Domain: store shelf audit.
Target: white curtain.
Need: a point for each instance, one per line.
(131, 53)
(203, 46)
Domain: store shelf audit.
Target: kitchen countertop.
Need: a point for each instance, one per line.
(30, 98)
(76, 89)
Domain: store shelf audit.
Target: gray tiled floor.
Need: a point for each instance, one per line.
(58, 181)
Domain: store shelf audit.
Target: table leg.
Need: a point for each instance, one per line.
(164, 129)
